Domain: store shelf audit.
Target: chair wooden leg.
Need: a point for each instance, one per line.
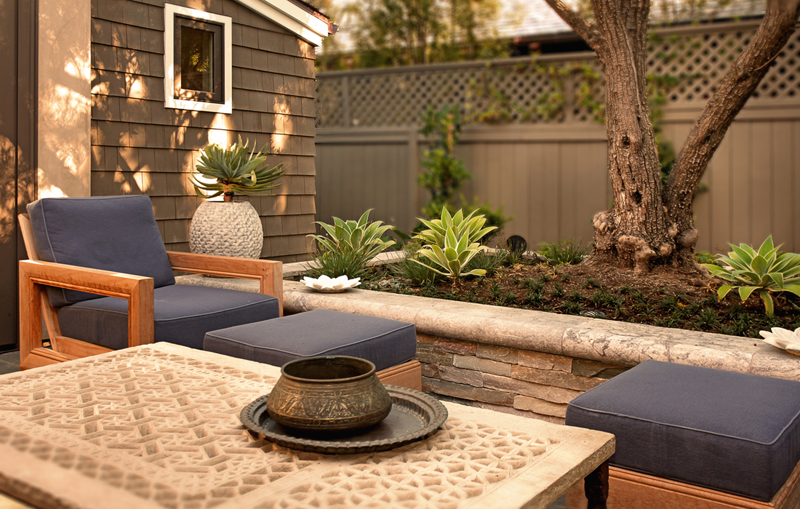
(30, 316)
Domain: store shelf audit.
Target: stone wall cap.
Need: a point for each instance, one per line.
(607, 341)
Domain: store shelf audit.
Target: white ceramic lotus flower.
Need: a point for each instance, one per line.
(331, 285)
(783, 338)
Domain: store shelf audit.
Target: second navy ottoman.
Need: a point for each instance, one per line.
(383, 342)
(722, 430)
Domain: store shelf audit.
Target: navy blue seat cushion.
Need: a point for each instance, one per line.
(117, 233)
(183, 314)
(383, 342)
(727, 431)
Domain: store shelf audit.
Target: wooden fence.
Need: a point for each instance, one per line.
(550, 174)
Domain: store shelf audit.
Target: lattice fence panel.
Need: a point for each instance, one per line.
(516, 92)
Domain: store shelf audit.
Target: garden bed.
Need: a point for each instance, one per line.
(663, 298)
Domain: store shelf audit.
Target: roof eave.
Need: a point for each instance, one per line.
(308, 24)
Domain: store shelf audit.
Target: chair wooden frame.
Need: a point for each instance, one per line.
(35, 275)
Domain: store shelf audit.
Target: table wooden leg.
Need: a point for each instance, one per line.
(596, 487)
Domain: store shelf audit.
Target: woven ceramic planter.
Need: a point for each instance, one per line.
(226, 229)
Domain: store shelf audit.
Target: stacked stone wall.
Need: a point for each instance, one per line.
(520, 382)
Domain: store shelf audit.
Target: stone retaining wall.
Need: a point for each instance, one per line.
(521, 382)
(529, 363)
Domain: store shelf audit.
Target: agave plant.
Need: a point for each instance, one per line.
(234, 170)
(763, 271)
(348, 246)
(451, 242)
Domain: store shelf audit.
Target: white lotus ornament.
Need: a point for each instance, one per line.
(783, 339)
(326, 284)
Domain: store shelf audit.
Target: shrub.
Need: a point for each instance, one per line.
(451, 242)
(419, 273)
(764, 271)
(704, 257)
(567, 252)
(348, 246)
(486, 262)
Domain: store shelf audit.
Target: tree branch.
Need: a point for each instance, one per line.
(576, 22)
(738, 84)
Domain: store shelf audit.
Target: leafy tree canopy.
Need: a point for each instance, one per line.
(411, 32)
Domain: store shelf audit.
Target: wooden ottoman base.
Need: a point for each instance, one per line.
(408, 374)
(632, 490)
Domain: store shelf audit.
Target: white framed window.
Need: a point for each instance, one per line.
(197, 60)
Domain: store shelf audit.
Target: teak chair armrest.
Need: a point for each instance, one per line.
(35, 276)
(269, 273)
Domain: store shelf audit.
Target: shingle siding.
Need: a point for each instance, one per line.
(139, 146)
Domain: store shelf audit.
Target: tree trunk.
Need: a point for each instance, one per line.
(636, 229)
(648, 224)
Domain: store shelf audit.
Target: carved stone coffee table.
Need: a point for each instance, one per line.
(158, 426)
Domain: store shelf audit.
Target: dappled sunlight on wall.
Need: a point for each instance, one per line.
(279, 142)
(9, 195)
(274, 205)
(64, 98)
(221, 137)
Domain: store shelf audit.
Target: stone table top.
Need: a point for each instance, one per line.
(158, 426)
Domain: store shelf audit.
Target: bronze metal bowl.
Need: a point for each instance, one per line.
(329, 394)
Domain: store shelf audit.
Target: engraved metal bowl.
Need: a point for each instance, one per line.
(329, 394)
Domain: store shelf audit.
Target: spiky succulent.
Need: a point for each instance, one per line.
(348, 246)
(234, 171)
(451, 242)
(763, 271)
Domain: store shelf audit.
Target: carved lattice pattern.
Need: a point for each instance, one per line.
(510, 91)
(166, 429)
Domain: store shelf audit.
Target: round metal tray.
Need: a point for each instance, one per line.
(414, 416)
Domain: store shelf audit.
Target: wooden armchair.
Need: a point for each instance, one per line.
(37, 275)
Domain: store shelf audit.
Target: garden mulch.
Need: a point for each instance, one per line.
(665, 297)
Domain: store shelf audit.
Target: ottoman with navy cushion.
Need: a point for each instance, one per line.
(389, 344)
(723, 431)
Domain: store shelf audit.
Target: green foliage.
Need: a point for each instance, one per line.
(763, 271)
(494, 217)
(419, 273)
(412, 32)
(451, 242)
(567, 252)
(704, 257)
(348, 246)
(235, 171)
(489, 263)
(445, 173)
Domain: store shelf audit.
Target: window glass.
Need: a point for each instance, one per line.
(197, 59)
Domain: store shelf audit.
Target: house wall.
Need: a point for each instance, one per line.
(140, 147)
(64, 109)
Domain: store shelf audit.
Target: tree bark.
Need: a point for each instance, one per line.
(650, 223)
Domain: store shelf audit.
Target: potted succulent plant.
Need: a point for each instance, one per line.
(230, 227)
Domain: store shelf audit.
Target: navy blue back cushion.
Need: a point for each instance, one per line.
(117, 233)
